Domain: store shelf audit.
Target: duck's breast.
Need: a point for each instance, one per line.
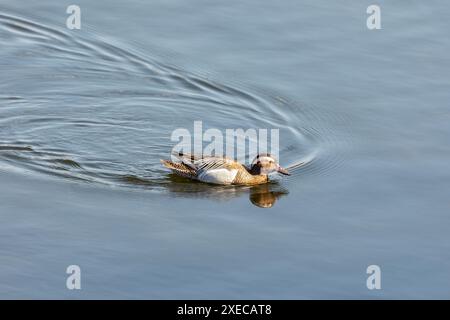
(218, 176)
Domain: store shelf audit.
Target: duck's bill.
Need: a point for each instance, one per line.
(283, 171)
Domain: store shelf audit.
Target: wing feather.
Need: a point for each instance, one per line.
(203, 164)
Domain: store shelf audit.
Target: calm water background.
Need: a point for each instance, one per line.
(85, 116)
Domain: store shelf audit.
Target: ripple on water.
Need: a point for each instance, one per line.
(81, 108)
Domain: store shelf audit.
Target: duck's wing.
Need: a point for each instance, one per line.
(213, 163)
(217, 170)
(202, 164)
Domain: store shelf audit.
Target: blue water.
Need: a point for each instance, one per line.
(85, 116)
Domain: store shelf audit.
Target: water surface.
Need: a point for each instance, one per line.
(86, 115)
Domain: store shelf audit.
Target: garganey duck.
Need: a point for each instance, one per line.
(224, 171)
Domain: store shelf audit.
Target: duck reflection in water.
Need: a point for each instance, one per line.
(263, 196)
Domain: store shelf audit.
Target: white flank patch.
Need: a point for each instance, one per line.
(218, 176)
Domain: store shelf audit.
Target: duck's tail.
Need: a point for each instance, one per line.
(180, 169)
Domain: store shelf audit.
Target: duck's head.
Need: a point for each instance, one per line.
(264, 163)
